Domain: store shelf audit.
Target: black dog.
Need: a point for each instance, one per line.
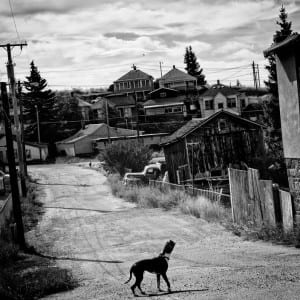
(157, 265)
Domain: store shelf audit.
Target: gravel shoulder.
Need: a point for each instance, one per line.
(99, 237)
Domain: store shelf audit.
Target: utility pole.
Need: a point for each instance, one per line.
(38, 129)
(107, 121)
(12, 82)
(137, 116)
(22, 126)
(12, 169)
(256, 79)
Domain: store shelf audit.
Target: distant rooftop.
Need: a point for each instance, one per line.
(134, 74)
(177, 75)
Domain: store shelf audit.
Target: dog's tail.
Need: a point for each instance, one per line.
(129, 276)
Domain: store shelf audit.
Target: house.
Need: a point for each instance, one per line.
(125, 104)
(287, 54)
(205, 147)
(165, 102)
(220, 97)
(81, 142)
(33, 151)
(179, 80)
(134, 82)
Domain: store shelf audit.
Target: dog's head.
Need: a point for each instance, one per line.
(169, 247)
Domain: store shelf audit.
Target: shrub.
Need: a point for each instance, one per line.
(126, 155)
(8, 252)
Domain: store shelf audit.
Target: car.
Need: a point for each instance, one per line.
(150, 172)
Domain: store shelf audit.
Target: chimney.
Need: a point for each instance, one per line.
(218, 82)
(174, 67)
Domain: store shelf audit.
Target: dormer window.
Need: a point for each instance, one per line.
(163, 95)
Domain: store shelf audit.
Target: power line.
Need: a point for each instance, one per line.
(13, 17)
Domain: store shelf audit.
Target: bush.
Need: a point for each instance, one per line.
(8, 252)
(126, 155)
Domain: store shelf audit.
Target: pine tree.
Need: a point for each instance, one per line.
(193, 67)
(39, 100)
(272, 112)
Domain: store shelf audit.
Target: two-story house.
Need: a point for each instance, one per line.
(179, 80)
(220, 97)
(134, 82)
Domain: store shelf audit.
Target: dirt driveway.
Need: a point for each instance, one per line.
(99, 236)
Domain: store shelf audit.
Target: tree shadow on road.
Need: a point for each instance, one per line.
(79, 208)
(174, 292)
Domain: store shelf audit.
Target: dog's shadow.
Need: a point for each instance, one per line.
(173, 292)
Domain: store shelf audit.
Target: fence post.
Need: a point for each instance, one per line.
(287, 211)
(231, 193)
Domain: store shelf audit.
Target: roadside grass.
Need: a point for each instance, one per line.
(150, 197)
(25, 276)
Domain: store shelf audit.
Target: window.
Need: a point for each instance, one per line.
(209, 104)
(231, 102)
(220, 105)
(222, 124)
(168, 110)
(177, 109)
(28, 154)
(163, 95)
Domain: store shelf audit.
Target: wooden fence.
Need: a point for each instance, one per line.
(6, 212)
(211, 194)
(258, 201)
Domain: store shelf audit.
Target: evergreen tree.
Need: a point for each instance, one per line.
(272, 112)
(193, 67)
(39, 100)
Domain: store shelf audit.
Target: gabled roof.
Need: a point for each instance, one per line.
(215, 89)
(161, 89)
(291, 40)
(91, 130)
(177, 75)
(199, 122)
(134, 75)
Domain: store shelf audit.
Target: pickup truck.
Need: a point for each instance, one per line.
(150, 172)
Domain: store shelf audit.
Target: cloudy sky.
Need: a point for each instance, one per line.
(91, 43)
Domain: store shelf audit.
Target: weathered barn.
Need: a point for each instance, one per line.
(206, 147)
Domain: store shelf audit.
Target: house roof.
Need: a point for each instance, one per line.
(199, 122)
(163, 89)
(177, 75)
(121, 100)
(219, 88)
(291, 40)
(165, 101)
(134, 75)
(91, 130)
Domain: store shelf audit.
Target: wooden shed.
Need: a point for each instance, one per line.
(206, 147)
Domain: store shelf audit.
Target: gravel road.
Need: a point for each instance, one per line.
(99, 236)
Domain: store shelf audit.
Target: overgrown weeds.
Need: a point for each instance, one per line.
(151, 197)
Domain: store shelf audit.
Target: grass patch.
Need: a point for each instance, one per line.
(150, 197)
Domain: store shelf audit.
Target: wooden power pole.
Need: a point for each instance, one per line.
(12, 82)
(12, 169)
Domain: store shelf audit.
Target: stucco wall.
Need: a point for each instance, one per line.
(289, 104)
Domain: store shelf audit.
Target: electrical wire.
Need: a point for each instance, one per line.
(13, 17)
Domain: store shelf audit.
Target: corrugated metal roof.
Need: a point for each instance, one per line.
(197, 123)
(165, 101)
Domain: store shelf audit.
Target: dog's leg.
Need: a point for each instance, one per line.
(139, 280)
(167, 281)
(158, 282)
